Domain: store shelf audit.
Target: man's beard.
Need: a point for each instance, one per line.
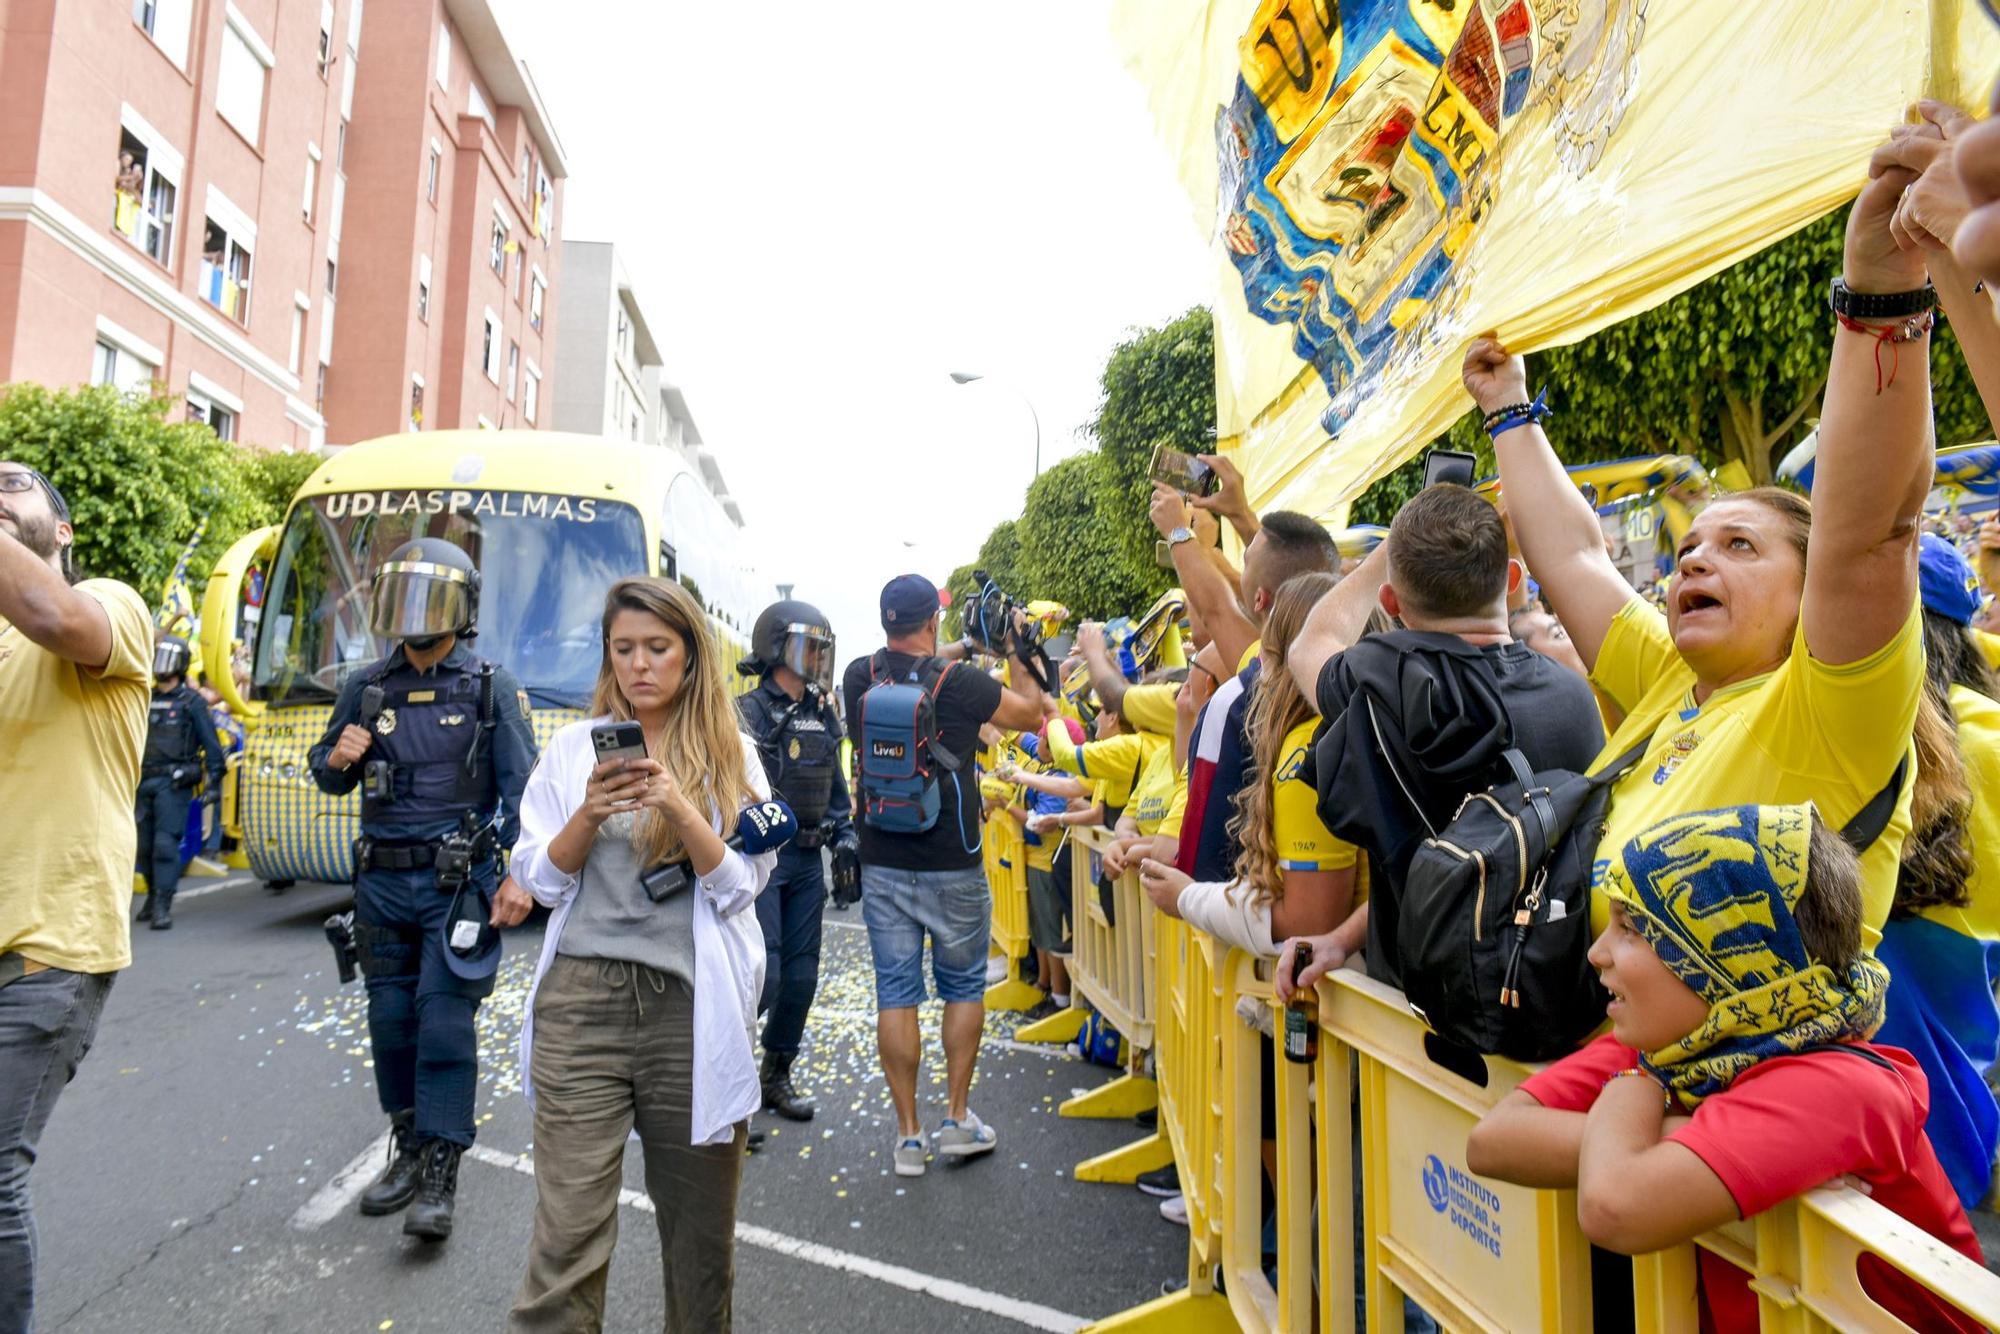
(37, 535)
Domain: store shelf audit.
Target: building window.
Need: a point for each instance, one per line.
(624, 343)
(531, 393)
(496, 253)
(200, 408)
(543, 203)
(475, 105)
(432, 171)
(513, 367)
(527, 174)
(319, 389)
(325, 37)
(537, 290)
(239, 96)
(332, 277)
(166, 22)
(416, 402)
(298, 337)
(145, 194)
(489, 357)
(122, 370)
(225, 272)
(444, 57)
(312, 178)
(424, 288)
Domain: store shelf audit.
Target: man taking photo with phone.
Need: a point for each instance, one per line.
(75, 673)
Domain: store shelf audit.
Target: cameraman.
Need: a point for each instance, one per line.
(180, 735)
(932, 883)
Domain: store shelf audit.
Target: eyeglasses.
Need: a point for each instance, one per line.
(17, 482)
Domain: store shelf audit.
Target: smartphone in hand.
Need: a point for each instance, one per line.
(1184, 472)
(1448, 465)
(619, 741)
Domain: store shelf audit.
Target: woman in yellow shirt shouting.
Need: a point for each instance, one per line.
(1788, 664)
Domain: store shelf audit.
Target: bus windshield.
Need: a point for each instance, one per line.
(545, 564)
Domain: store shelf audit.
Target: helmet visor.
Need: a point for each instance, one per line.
(170, 659)
(419, 600)
(808, 650)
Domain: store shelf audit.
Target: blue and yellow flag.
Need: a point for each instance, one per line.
(1382, 180)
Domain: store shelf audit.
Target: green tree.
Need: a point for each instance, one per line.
(1076, 549)
(1159, 389)
(137, 482)
(273, 477)
(1731, 370)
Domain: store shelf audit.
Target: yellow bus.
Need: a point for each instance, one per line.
(551, 520)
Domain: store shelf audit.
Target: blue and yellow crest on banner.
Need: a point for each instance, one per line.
(1356, 160)
(1713, 892)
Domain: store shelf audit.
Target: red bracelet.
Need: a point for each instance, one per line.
(1902, 331)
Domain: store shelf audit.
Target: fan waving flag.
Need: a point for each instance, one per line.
(1382, 180)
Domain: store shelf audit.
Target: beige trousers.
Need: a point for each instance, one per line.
(614, 1051)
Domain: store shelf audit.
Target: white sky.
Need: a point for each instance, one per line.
(826, 208)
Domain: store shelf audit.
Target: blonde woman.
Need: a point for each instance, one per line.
(642, 1010)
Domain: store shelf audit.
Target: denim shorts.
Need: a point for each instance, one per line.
(953, 908)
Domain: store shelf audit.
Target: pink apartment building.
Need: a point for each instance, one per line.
(225, 196)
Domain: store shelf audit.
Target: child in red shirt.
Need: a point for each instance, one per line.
(1736, 1073)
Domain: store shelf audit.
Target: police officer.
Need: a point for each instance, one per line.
(791, 717)
(438, 740)
(180, 736)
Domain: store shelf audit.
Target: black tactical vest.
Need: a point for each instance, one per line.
(427, 725)
(800, 752)
(171, 742)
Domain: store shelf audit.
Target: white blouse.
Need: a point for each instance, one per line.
(728, 943)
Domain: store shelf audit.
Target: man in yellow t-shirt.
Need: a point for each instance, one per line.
(75, 674)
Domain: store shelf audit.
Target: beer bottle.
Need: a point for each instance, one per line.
(1302, 1027)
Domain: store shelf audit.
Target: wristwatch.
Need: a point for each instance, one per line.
(1179, 535)
(1844, 300)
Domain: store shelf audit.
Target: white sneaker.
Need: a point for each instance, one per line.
(996, 969)
(910, 1157)
(1174, 1209)
(967, 1138)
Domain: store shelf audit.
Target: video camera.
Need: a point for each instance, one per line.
(991, 623)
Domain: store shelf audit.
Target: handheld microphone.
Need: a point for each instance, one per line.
(765, 827)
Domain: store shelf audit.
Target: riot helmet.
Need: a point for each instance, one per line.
(170, 658)
(792, 634)
(427, 589)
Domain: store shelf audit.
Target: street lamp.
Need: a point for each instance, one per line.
(967, 377)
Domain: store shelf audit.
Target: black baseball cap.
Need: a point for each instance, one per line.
(908, 601)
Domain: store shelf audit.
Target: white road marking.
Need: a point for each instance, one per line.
(1032, 1314)
(843, 924)
(335, 1196)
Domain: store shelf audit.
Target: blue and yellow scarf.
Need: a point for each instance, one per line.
(1713, 893)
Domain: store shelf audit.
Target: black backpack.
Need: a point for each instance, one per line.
(1494, 918)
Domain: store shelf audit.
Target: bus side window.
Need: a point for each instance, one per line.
(670, 565)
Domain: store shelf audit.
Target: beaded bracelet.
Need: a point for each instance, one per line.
(1666, 1098)
(1502, 420)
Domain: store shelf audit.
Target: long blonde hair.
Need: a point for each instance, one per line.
(1276, 707)
(701, 746)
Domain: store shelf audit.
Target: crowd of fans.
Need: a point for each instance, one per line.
(1790, 907)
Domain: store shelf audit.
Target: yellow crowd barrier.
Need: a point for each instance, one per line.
(1006, 860)
(1370, 1143)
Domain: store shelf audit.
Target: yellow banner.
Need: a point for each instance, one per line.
(1382, 180)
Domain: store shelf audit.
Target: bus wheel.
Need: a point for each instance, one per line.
(278, 886)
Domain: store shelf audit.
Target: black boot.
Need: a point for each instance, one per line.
(779, 1095)
(437, 1191)
(397, 1185)
(145, 913)
(163, 912)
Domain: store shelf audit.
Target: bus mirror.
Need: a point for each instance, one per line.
(221, 604)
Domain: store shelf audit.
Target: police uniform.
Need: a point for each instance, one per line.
(420, 1010)
(180, 744)
(799, 744)
(450, 750)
